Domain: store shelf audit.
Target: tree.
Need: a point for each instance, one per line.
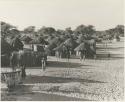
(82, 29)
(46, 31)
(29, 30)
(6, 29)
(120, 29)
(68, 31)
(60, 32)
(90, 29)
(5, 47)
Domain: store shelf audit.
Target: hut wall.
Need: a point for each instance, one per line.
(77, 53)
(27, 46)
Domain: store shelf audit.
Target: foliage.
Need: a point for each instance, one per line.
(7, 29)
(5, 47)
(82, 29)
(30, 29)
(46, 31)
(56, 37)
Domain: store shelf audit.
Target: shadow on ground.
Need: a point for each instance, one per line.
(64, 64)
(49, 79)
(24, 93)
(58, 64)
(111, 57)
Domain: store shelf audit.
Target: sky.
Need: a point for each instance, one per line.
(60, 14)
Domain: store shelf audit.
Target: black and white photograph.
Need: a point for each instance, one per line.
(62, 50)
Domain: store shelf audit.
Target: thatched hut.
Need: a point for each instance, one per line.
(79, 48)
(71, 44)
(26, 39)
(89, 46)
(55, 42)
(38, 44)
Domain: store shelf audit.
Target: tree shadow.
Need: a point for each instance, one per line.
(26, 91)
(50, 79)
(109, 48)
(64, 64)
(104, 56)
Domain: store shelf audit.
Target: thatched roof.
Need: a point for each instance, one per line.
(90, 42)
(26, 39)
(71, 43)
(80, 47)
(50, 48)
(37, 41)
(59, 48)
(34, 41)
(54, 40)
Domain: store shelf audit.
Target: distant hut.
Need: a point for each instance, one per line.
(71, 44)
(26, 39)
(90, 48)
(38, 45)
(53, 44)
(79, 48)
(49, 49)
(117, 38)
(60, 50)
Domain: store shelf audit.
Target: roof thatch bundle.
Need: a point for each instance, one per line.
(80, 47)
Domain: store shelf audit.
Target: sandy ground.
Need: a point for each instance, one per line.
(101, 79)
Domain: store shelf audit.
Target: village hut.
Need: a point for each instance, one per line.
(60, 50)
(71, 44)
(90, 48)
(38, 44)
(55, 42)
(49, 49)
(80, 47)
(26, 39)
